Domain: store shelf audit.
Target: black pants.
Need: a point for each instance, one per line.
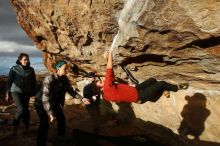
(94, 113)
(152, 90)
(44, 123)
(22, 109)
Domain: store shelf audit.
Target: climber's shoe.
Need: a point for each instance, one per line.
(183, 86)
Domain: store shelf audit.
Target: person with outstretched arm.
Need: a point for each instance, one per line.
(49, 102)
(91, 92)
(148, 90)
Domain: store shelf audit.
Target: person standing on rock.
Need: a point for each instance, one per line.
(49, 102)
(91, 92)
(149, 90)
(21, 86)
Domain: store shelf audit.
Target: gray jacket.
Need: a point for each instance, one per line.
(22, 80)
(53, 92)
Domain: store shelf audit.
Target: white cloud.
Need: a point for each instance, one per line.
(13, 39)
(10, 47)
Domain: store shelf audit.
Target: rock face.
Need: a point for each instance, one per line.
(172, 40)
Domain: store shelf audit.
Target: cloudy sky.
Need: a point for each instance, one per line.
(13, 40)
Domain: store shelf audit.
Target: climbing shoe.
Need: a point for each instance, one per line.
(183, 86)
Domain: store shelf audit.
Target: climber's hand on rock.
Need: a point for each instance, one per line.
(105, 55)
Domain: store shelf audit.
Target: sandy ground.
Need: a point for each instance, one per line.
(76, 118)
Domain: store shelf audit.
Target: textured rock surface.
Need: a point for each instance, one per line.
(173, 40)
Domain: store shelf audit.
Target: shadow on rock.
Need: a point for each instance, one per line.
(194, 114)
(82, 138)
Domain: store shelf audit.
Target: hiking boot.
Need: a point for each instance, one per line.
(183, 86)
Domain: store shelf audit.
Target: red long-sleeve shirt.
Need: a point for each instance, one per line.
(118, 92)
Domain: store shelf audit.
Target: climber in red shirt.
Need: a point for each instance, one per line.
(149, 90)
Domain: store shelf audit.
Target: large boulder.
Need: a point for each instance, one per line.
(172, 40)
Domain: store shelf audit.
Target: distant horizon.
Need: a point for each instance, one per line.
(8, 61)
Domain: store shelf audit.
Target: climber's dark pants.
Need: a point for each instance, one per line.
(152, 90)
